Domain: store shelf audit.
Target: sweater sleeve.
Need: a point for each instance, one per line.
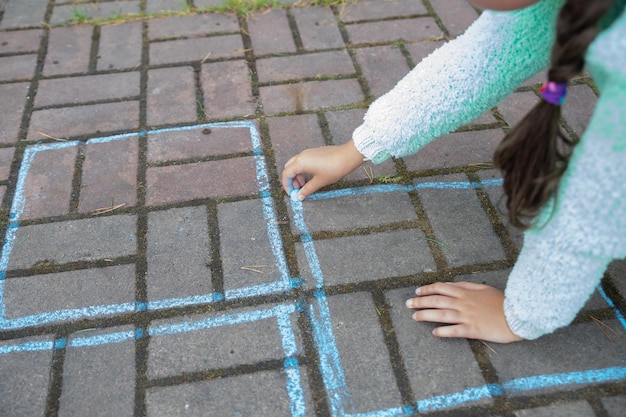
(566, 253)
(459, 81)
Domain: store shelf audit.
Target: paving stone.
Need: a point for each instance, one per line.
(11, 108)
(25, 376)
(74, 241)
(18, 67)
(109, 175)
(341, 124)
(575, 408)
(574, 348)
(484, 119)
(372, 257)
(190, 26)
(456, 149)
(100, 10)
(6, 158)
(456, 15)
(615, 406)
(409, 30)
(310, 95)
(578, 108)
(214, 179)
(227, 90)
(219, 346)
(69, 50)
(370, 10)
(421, 50)
(207, 3)
(265, 395)
(244, 242)
(363, 353)
(69, 122)
(498, 200)
(171, 96)
(304, 66)
(359, 211)
(76, 90)
(48, 185)
(382, 67)
(515, 106)
(99, 380)
(287, 144)
(20, 41)
(23, 13)
(317, 27)
(197, 143)
(422, 354)
(178, 253)
(159, 6)
(49, 293)
(228, 46)
(270, 32)
(120, 46)
(459, 222)
(538, 78)
(617, 270)
(3, 191)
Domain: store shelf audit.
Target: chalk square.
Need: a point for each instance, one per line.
(102, 308)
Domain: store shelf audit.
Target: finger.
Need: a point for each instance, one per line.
(455, 330)
(437, 316)
(432, 301)
(286, 181)
(290, 180)
(468, 285)
(299, 181)
(310, 187)
(439, 288)
(288, 175)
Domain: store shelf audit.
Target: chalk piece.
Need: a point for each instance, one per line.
(294, 195)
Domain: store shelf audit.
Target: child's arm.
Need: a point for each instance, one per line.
(459, 81)
(452, 86)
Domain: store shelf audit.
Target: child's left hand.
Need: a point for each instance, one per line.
(473, 311)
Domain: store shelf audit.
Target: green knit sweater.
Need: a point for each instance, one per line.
(563, 261)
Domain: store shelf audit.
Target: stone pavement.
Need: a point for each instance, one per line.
(152, 265)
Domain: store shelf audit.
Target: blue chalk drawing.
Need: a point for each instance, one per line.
(283, 284)
(319, 312)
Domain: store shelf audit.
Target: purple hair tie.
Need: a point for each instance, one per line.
(553, 92)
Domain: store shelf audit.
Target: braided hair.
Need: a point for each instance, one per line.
(534, 154)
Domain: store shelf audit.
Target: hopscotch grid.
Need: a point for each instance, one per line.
(284, 284)
(330, 365)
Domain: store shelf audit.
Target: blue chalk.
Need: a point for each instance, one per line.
(294, 195)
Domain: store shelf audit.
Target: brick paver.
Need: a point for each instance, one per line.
(270, 33)
(68, 50)
(153, 266)
(119, 46)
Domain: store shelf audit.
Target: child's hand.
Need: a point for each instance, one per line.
(325, 165)
(473, 311)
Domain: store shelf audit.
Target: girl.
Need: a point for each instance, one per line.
(573, 207)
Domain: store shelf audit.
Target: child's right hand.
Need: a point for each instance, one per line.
(325, 165)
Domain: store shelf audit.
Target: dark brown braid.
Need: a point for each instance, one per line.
(534, 154)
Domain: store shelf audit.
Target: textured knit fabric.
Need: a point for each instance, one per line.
(565, 255)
